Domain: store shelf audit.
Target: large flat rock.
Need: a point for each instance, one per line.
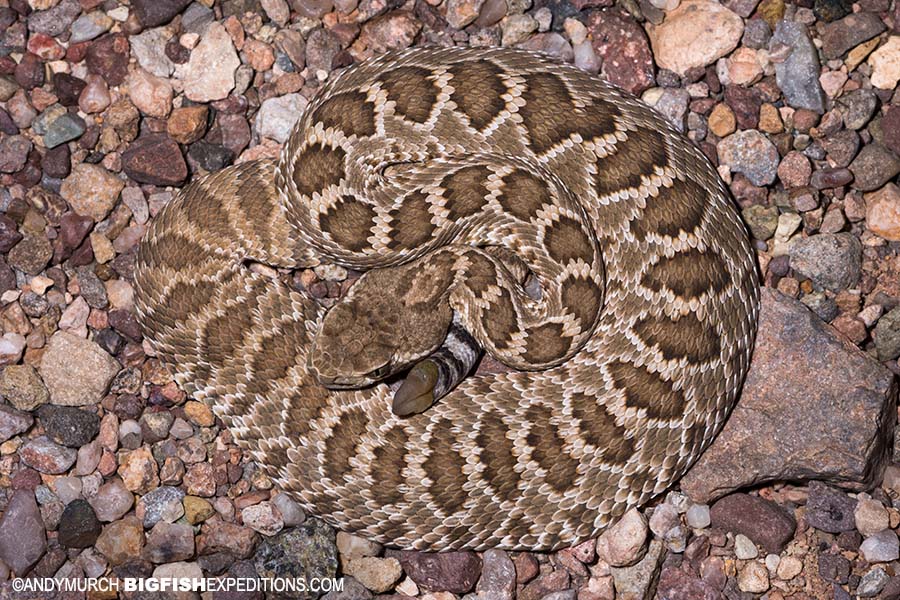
(814, 406)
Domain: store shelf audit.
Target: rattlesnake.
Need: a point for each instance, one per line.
(641, 337)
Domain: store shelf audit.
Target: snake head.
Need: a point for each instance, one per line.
(375, 331)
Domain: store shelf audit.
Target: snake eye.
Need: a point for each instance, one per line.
(381, 371)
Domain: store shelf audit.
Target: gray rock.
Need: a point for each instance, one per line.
(886, 334)
(90, 25)
(149, 47)
(169, 542)
(813, 406)
(881, 547)
(22, 537)
(276, 116)
(498, 576)
(636, 582)
(831, 260)
(798, 75)
(306, 552)
(872, 583)
(829, 509)
(751, 153)
(874, 166)
(14, 151)
(54, 21)
(161, 504)
(112, 501)
(77, 372)
(857, 108)
(854, 29)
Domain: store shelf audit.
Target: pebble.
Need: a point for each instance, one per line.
(156, 159)
(94, 97)
(794, 170)
(79, 526)
(788, 567)
(828, 509)
(665, 517)
(830, 260)
(67, 489)
(91, 190)
(14, 151)
(111, 501)
(77, 372)
(291, 512)
(139, 471)
(13, 422)
(22, 537)
(621, 47)
(886, 336)
(624, 543)
(108, 57)
(753, 578)
(162, 504)
(277, 116)
(263, 517)
(152, 95)
(55, 20)
(376, 574)
(187, 124)
(306, 551)
(45, 456)
(744, 548)
(151, 13)
(761, 520)
(857, 108)
(840, 36)
(121, 541)
(636, 581)
(199, 480)
(881, 547)
(498, 576)
(31, 254)
(11, 347)
(675, 42)
(88, 26)
(21, 386)
(169, 542)
(873, 167)
(69, 425)
(149, 48)
(209, 75)
(798, 75)
(455, 572)
(870, 516)
(751, 154)
(697, 516)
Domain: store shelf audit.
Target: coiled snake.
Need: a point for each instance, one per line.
(425, 168)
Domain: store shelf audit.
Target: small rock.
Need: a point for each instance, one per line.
(798, 75)
(881, 547)
(634, 583)
(187, 124)
(829, 510)
(744, 548)
(155, 159)
(872, 583)
(91, 190)
(761, 520)
(139, 471)
(857, 108)
(263, 517)
(695, 34)
(885, 63)
(455, 572)
(162, 504)
(69, 425)
(852, 30)
(22, 537)
(750, 153)
(498, 576)
(13, 422)
(753, 578)
(14, 151)
(151, 13)
(307, 551)
(721, 120)
(291, 512)
(874, 166)
(78, 525)
(623, 544)
(31, 255)
(886, 334)
(111, 501)
(870, 516)
(45, 456)
(831, 260)
(22, 387)
(621, 46)
(209, 75)
(121, 541)
(90, 25)
(376, 574)
(276, 116)
(149, 47)
(151, 94)
(794, 170)
(169, 542)
(108, 56)
(77, 372)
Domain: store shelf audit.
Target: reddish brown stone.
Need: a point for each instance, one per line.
(622, 46)
(155, 159)
(108, 57)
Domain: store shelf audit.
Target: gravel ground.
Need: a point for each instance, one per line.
(106, 468)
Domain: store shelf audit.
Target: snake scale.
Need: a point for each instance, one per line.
(427, 169)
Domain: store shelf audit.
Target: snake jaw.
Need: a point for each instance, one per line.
(416, 394)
